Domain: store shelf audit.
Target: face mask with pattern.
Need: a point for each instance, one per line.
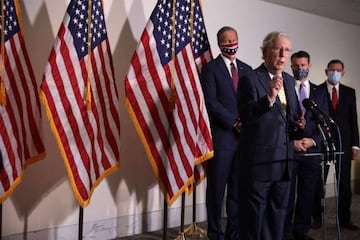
(301, 73)
(229, 48)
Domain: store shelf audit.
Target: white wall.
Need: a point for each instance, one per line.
(129, 201)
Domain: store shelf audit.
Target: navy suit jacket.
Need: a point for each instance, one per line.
(320, 96)
(345, 117)
(266, 145)
(221, 101)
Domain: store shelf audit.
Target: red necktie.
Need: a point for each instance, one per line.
(235, 75)
(334, 99)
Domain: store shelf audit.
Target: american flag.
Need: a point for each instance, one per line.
(88, 139)
(20, 116)
(164, 95)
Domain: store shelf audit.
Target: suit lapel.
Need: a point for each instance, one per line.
(225, 72)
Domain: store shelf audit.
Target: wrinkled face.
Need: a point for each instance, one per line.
(277, 56)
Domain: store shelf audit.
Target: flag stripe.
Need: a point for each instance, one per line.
(163, 129)
(175, 139)
(20, 117)
(88, 138)
(22, 59)
(148, 140)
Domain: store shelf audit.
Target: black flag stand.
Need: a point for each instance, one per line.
(165, 219)
(194, 231)
(181, 235)
(0, 220)
(81, 221)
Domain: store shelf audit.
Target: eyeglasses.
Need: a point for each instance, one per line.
(281, 49)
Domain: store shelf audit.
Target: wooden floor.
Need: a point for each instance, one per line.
(330, 232)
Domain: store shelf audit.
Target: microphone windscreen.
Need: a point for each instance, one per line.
(309, 103)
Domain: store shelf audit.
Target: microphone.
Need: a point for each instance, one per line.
(318, 115)
(322, 120)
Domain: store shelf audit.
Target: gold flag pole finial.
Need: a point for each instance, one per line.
(2, 73)
(88, 85)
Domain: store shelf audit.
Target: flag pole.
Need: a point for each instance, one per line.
(0, 220)
(2, 77)
(165, 219)
(194, 231)
(181, 235)
(81, 221)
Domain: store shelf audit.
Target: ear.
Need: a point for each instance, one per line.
(263, 50)
(342, 73)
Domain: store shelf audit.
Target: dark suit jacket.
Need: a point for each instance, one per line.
(266, 145)
(221, 101)
(320, 96)
(345, 117)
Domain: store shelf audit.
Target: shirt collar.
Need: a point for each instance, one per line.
(306, 83)
(330, 86)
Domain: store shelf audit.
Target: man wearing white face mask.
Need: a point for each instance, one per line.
(342, 106)
(219, 80)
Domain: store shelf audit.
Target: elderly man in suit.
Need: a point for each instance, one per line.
(219, 79)
(270, 117)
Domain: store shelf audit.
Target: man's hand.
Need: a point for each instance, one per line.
(301, 122)
(303, 144)
(275, 85)
(237, 126)
(298, 146)
(355, 153)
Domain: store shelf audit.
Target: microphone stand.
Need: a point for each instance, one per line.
(324, 161)
(328, 156)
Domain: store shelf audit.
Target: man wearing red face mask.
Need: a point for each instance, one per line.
(219, 80)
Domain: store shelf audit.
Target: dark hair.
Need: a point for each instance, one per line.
(222, 30)
(301, 54)
(336, 61)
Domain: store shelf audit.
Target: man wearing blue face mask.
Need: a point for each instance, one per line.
(219, 80)
(305, 169)
(342, 105)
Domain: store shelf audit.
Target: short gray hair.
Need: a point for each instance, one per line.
(269, 39)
